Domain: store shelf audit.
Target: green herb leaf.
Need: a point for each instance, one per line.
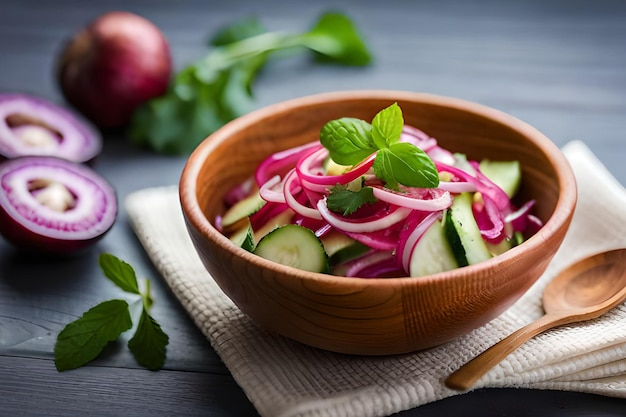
(343, 201)
(406, 164)
(348, 140)
(148, 345)
(387, 126)
(243, 28)
(118, 271)
(83, 339)
(218, 88)
(336, 39)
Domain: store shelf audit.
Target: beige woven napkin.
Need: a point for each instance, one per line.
(283, 378)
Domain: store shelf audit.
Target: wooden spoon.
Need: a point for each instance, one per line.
(583, 291)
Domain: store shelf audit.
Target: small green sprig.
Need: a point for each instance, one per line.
(218, 88)
(83, 340)
(350, 140)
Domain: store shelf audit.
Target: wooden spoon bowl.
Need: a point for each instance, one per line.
(374, 316)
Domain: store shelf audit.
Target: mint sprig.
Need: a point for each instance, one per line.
(218, 88)
(350, 140)
(83, 340)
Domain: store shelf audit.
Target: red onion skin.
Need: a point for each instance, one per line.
(119, 61)
(27, 240)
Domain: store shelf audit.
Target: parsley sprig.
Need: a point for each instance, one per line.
(83, 340)
(350, 140)
(218, 88)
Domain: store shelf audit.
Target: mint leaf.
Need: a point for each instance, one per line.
(343, 201)
(83, 339)
(405, 164)
(118, 271)
(387, 126)
(348, 140)
(148, 345)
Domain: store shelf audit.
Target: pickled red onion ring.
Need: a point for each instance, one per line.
(294, 204)
(268, 191)
(414, 237)
(439, 203)
(397, 215)
(307, 173)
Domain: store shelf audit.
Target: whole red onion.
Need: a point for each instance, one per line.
(117, 62)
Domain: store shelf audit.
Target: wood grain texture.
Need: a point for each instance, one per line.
(558, 65)
(375, 316)
(583, 291)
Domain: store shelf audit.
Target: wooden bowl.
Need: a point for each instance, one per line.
(383, 315)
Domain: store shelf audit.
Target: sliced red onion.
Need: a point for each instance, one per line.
(372, 264)
(33, 126)
(309, 170)
(519, 217)
(396, 215)
(414, 200)
(50, 204)
(272, 190)
(489, 219)
(281, 162)
(414, 237)
(290, 186)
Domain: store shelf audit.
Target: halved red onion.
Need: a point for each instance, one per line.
(33, 126)
(53, 205)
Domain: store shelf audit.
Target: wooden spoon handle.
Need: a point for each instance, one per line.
(464, 377)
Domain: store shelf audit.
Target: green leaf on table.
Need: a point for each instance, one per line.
(82, 340)
(246, 27)
(405, 163)
(218, 88)
(336, 39)
(348, 140)
(344, 201)
(148, 345)
(118, 271)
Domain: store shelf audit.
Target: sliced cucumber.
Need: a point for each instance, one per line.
(335, 241)
(463, 233)
(432, 253)
(244, 237)
(242, 210)
(506, 174)
(348, 253)
(281, 219)
(295, 246)
(501, 247)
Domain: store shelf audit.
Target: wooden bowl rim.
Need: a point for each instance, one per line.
(559, 218)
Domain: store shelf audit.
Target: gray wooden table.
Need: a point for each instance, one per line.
(559, 65)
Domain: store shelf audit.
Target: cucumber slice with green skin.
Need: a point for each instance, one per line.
(295, 246)
(242, 210)
(432, 253)
(506, 174)
(334, 241)
(347, 253)
(244, 237)
(463, 233)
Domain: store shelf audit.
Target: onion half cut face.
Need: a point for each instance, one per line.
(50, 204)
(33, 126)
